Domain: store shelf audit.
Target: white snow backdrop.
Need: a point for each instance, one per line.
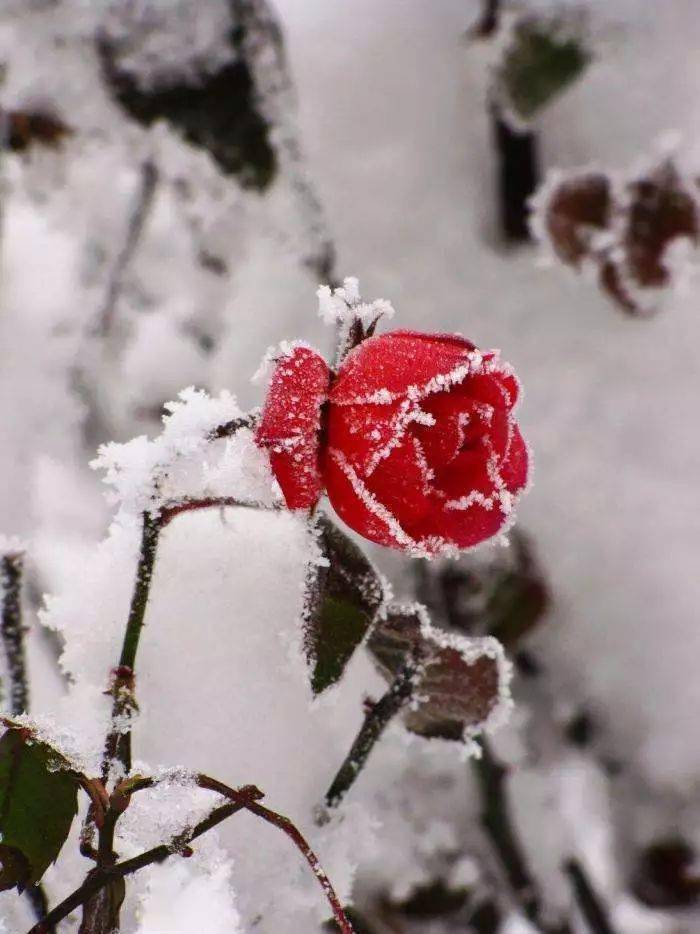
(393, 121)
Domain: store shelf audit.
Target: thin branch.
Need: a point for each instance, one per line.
(518, 175)
(230, 428)
(99, 878)
(496, 821)
(12, 631)
(489, 20)
(118, 743)
(592, 908)
(137, 220)
(248, 797)
(40, 906)
(142, 589)
(169, 512)
(12, 635)
(286, 826)
(376, 719)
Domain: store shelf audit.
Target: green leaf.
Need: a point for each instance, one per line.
(460, 683)
(38, 801)
(539, 65)
(342, 604)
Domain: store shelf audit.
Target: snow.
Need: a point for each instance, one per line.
(168, 39)
(344, 304)
(178, 898)
(182, 462)
(404, 165)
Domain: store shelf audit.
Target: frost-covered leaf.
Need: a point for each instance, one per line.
(343, 602)
(578, 208)
(38, 801)
(661, 210)
(637, 235)
(461, 684)
(540, 63)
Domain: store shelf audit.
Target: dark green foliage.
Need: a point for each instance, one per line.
(455, 691)
(38, 801)
(538, 66)
(343, 601)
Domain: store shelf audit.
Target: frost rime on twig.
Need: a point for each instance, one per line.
(354, 319)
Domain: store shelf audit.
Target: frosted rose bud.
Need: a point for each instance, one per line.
(419, 449)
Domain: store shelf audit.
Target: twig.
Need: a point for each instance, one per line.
(286, 826)
(489, 20)
(98, 878)
(517, 177)
(496, 821)
(12, 635)
(246, 798)
(169, 512)
(12, 632)
(118, 743)
(249, 797)
(230, 428)
(376, 719)
(40, 906)
(592, 909)
(137, 219)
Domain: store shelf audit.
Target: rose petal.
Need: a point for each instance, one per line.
(363, 432)
(383, 368)
(442, 440)
(466, 474)
(402, 483)
(515, 469)
(465, 528)
(358, 507)
(291, 423)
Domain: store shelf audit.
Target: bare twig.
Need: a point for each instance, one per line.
(137, 220)
(118, 743)
(518, 175)
(230, 428)
(249, 797)
(489, 20)
(593, 910)
(376, 719)
(12, 635)
(100, 877)
(496, 821)
(286, 826)
(12, 631)
(246, 798)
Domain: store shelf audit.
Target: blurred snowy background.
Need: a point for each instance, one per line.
(165, 237)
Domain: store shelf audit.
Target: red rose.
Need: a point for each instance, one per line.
(417, 448)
